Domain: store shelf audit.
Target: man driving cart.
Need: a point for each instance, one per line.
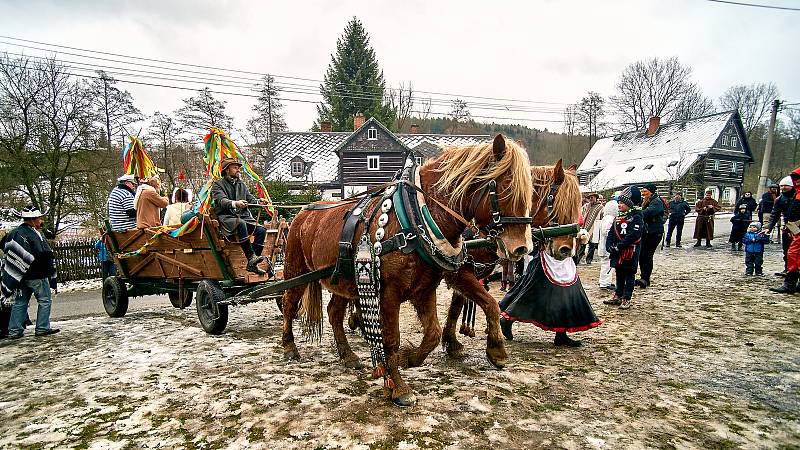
(231, 199)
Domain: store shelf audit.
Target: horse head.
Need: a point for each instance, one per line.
(556, 200)
(491, 184)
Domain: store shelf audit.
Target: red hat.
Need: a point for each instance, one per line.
(795, 173)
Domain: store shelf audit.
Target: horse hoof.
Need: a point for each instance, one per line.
(405, 400)
(455, 350)
(499, 363)
(292, 355)
(354, 364)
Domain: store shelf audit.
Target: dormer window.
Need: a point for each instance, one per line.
(372, 134)
(672, 164)
(630, 169)
(596, 163)
(725, 140)
(418, 160)
(298, 168)
(648, 167)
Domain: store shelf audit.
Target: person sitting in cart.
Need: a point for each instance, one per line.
(231, 198)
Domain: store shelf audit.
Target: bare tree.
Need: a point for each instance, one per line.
(114, 108)
(653, 87)
(459, 113)
(570, 124)
(752, 101)
(402, 102)
(47, 116)
(590, 113)
(693, 104)
(202, 112)
(793, 131)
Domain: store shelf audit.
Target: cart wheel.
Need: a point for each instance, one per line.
(213, 316)
(181, 303)
(115, 296)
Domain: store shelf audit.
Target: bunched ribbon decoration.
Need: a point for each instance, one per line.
(136, 161)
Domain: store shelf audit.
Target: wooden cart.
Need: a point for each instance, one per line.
(199, 263)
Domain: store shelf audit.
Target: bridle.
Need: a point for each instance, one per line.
(495, 226)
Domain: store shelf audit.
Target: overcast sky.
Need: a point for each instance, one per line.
(545, 51)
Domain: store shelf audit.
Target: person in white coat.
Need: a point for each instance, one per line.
(607, 217)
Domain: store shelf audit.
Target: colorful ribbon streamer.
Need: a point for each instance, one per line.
(136, 161)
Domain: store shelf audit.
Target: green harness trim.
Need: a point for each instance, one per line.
(431, 224)
(399, 209)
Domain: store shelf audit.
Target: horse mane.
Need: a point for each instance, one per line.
(463, 166)
(567, 203)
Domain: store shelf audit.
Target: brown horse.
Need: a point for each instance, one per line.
(453, 178)
(464, 283)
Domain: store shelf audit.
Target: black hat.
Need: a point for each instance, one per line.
(650, 187)
(631, 196)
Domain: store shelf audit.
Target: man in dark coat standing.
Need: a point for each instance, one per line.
(748, 201)
(793, 226)
(767, 203)
(678, 209)
(29, 270)
(231, 198)
(653, 216)
(780, 210)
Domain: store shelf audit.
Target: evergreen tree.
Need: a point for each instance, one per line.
(268, 110)
(353, 83)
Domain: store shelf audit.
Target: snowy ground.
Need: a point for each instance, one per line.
(705, 359)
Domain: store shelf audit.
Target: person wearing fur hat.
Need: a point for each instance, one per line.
(29, 270)
(739, 223)
(779, 211)
(624, 245)
(653, 216)
(231, 198)
(706, 207)
(793, 227)
(148, 203)
(754, 249)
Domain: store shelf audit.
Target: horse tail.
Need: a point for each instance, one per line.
(310, 312)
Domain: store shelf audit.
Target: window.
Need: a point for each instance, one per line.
(630, 169)
(715, 164)
(735, 167)
(648, 167)
(672, 164)
(372, 134)
(725, 140)
(734, 141)
(373, 163)
(418, 160)
(298, 167)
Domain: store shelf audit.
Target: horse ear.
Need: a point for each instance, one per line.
(572, 168)
(499, 147)
(558, 173)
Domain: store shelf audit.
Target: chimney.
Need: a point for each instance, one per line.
(358, 120)
(414, 128)
(326, 126)
(652, 128)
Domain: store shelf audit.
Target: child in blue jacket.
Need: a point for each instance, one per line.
(754, 249)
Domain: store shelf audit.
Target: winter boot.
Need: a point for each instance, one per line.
(252, 265)
(563, 339)
(698, 244)
(615, 301)
(739, 246)
(733, 246)
(708, 243)
(789, 285)
(505, 327)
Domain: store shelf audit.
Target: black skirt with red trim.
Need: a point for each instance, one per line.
(551, 305)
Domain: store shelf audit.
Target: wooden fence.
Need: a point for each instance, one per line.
(76, 259)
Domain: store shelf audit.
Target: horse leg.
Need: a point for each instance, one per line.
(449, 339)
(495, 344)
(390, 325)
(337, 308)
(426, 312)
(291, 300)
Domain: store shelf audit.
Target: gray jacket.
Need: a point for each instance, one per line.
(224, 192)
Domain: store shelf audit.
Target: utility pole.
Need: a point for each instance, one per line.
(762, 180)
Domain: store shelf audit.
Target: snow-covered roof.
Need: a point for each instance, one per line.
(633, 157)
(318, 150)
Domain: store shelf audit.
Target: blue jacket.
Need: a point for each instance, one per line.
(754, 242)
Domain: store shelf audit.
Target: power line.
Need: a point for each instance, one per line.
(785, 8)
(250, 72)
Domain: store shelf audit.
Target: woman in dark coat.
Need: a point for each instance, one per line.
(748, 201)
(740, 221)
